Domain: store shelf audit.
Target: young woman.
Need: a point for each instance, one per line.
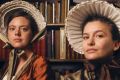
(100, 41)
(21, 29)
(100, 44)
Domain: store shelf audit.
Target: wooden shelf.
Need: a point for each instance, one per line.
(56, 25)
(66, 60)
(63, 65)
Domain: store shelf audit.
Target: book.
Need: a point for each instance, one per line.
(62, 43)
(50, 43)
(57, 43)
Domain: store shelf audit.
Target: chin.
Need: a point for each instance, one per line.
(18, 47)
(92, 58)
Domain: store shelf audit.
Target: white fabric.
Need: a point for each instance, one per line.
(77, 15)
(5, 77)
(28, 8)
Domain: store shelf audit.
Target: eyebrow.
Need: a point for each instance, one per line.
(95, 32)
(15, 26)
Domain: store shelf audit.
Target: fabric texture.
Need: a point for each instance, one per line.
(77, 15)
(102, 72)
(35, 70)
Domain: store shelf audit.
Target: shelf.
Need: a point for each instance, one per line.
(62, 65)
(56, 25)
(66, 60)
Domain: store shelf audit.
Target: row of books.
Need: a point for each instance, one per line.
(49, 47)
(54, 11)
(54, 45)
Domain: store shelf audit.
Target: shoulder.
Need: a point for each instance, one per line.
(39, 60)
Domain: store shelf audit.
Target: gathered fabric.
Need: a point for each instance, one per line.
(35, 68)
(108, 71)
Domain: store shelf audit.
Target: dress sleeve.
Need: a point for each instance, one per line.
(40, 69)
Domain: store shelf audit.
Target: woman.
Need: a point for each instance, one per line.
(21, 31)
(100, 40)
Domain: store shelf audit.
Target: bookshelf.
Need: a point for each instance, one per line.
(62, 67)
(54, 45)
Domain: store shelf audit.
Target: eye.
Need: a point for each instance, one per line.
(24, 29)
(99, 35)
(85, 37)
(11, 28)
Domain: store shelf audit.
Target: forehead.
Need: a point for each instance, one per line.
(19, 20)
(97, 25)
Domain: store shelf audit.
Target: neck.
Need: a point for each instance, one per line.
(91, 66)
(94, 64)
(26, 54)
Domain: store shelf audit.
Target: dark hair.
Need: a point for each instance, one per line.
(114, 29)
(21, 12)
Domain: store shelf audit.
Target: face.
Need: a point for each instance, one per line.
(97, 41)
(19, 32)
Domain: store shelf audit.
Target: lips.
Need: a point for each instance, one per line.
(91, 50)
(17, 40)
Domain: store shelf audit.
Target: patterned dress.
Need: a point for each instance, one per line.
(35, 68)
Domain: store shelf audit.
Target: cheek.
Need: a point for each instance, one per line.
(102, 45)
(9, 36)
(105, 47)
(27, 37)
(84, 46)
(105, 43)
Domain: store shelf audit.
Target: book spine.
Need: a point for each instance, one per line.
(46, 13)
(49, 44)
(53, 6)
(53, 45)
(62, 44)
(57, 43)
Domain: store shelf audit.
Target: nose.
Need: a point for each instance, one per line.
(91, 41)
(17, 32)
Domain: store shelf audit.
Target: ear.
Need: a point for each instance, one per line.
(116, 45)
